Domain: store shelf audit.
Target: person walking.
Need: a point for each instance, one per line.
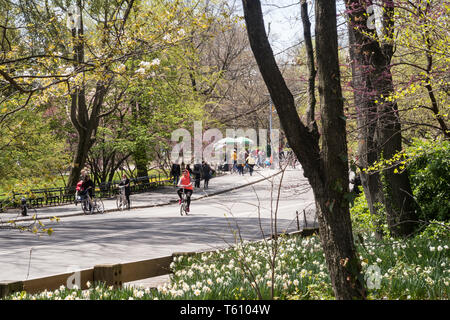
(235, 162)
(175, 172)
(251, 164)
(207, 174)
(88, 188)
(241, 162)
(198, 174)
(126, 183)
(261, 159)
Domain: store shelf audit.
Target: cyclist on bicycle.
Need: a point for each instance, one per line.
(79, 190)
(88, 190)
(185, 186)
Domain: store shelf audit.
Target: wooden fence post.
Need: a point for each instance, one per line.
(110, 274)
(304, 219)
(9, 287)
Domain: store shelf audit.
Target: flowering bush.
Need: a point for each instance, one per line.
(416, 268)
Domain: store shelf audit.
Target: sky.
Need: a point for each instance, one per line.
(283, 16)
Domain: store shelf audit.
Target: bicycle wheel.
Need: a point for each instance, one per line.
(85, 206)
(99, 207)
(119, 203)
(182, 207)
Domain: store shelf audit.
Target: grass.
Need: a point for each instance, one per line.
(417, 268)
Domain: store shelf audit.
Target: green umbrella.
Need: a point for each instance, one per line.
(243, 140)
(223, 142)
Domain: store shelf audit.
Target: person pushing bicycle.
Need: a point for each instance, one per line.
(87, 188)
(185, 185)
(125, 182)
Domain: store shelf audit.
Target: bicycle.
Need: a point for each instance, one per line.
(183, 203)
(96, 207)
(121, 200)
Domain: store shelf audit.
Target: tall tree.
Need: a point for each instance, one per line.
(326, 169)
(310, 112)
(381, 137)
(84, 122)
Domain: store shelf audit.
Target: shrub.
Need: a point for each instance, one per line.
(363, 220)
(430, 178)
(436, 231)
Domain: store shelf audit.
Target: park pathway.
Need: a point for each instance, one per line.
(165, 195)
(156, 229)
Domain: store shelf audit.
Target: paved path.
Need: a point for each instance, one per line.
(161, 196)
(81, 241)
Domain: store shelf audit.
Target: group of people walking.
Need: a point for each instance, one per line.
(199, 172)
(249, 160)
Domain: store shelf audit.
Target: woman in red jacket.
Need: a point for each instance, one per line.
(185, 185)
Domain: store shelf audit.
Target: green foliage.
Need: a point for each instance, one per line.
(430, 178)
(28, 148)
(436, 230)
(148, 63)
(363, 220)
(428, 164)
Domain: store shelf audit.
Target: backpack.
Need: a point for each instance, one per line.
(79, 184)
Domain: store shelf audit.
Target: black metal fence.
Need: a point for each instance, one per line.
(65, 195)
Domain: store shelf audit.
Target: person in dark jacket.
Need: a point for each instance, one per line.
(198, 173)
(207, 174)
(188, 168)
(175, 172)
(126, 182)
(88, 188)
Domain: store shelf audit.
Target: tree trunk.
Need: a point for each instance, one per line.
(379, 122)
(81, 153)
(140, 149)
(86, 125)
(310, 112)
(366, 118)
(400, 206)
(326, 172)
(140, 159)
(335, 230)
(84, 122)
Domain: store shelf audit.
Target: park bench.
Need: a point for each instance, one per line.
(106, 190)
(53, 196)
(68, 196)
(36, 197)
